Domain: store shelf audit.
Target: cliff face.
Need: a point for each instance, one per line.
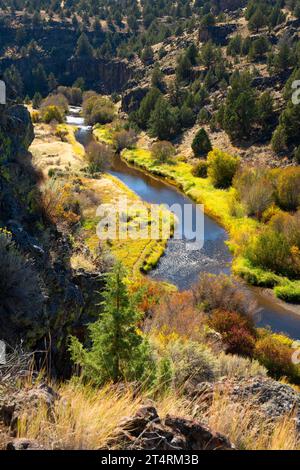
(55, 51)
(41, 299)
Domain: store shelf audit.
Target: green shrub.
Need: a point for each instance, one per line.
(237, 366)
(221, 168)
(270, 250)
(201, 144)
(52, 114)
(255, 190)
(97, 109)
(192, 362)
(288, 188)
(200, 169)
(279, 139)
(163, 151)
(289, 293)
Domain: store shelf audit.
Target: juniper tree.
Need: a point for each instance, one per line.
(118, 350)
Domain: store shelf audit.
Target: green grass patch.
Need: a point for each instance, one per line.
(103, 134)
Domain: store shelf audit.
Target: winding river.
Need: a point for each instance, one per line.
(182, 267)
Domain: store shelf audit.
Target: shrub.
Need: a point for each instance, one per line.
(21, 296)
(163, 151)
(221, 292)
(200, 169)
(99, 157)
(52, 114)
(163, 122)
(288, 188)
(236, 366)
(254, 190)
(58, 100)
(59, 204)
(72, 94)
(237, 330)
(279, 140)
(297, 155)
(98, 109)
(270, 250)
(125, 139)
(193, 362)
(221, 168)
(289, 293)
(201, 144)
(276, 357)
(177, 313)
(35, 117)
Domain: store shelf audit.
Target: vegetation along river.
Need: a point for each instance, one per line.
(181, 267)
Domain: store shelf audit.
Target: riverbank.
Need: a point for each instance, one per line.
(219, 205)
(60, 157)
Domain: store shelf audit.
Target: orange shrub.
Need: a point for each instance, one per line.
(177, 313)
(276, 357)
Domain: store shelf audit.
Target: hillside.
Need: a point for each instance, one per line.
(115, 332)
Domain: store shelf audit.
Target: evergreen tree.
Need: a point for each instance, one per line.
(163, 120)
(37, 100)
(147, 106)
(240, 107)
(84, 48)
(201, 144)
(118, 350)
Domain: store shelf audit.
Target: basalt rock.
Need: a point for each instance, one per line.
(147, 431)
(15, 405)
(132, 98)
(23, 444)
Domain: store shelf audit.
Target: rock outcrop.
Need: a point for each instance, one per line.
(146, 431)
(15, 405)
(271, 398)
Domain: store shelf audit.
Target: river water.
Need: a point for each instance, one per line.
(182, 267)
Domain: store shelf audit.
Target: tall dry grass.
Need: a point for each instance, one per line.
(87, 418)
(249, 429)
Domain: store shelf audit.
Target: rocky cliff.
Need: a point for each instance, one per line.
(41, 299)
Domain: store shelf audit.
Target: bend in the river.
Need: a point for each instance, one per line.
(182, 267)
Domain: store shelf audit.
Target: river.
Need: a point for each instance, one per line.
(182, 267)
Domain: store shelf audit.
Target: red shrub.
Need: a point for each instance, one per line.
(238, 331)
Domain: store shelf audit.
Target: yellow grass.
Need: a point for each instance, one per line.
(250, 430)
(87, 418)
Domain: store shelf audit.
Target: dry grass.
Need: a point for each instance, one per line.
(250, 430)
(87, 418)
(84, 418)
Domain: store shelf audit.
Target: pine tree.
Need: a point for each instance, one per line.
(119, 351)
(201, 144)
(37, 100)
(163, 121)
(84, 48)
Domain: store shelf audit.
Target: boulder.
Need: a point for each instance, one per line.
(14, 405)
(23, 444)
(147, 431)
